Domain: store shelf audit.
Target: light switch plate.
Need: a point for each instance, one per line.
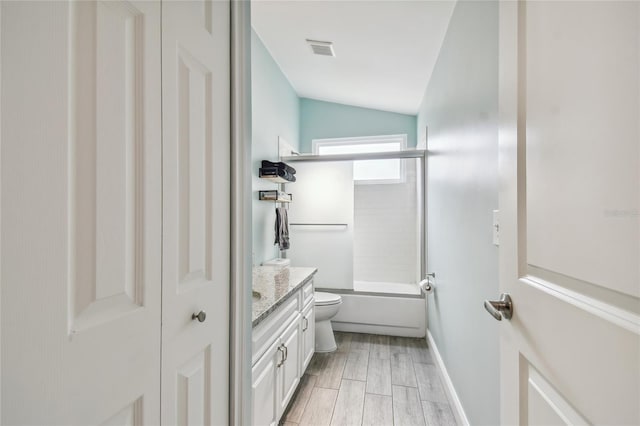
(496, 228)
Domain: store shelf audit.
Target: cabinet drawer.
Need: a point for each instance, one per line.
(265, 333)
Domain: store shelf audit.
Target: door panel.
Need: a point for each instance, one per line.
(289, 373)
(81, 218)
(106, 187)
(570, 239)
(582, 141)
(323, 195)
(196, 219)
(308, 336)
(192, 389)
(263, 388)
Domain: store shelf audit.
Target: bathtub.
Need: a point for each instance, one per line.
(387, 288)
(395, 309)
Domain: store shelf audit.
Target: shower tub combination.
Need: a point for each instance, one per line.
(322, 235)
(394, 309)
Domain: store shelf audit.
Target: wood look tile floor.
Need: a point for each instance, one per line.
(371, 380)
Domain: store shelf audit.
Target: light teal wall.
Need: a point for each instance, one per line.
(319, 119)
(461, 109)
(275, 112)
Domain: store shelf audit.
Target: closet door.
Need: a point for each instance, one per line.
(196, 203)
(81, 212)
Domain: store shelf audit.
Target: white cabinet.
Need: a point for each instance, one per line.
(275, 375)
(308, 330)
(283, 345)
(264, 379)
(289, 371)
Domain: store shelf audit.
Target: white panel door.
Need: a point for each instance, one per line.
(569, 203)
(321, 222)
(81, 212)
(196, 242)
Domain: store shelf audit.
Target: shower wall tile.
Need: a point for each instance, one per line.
(386, 238)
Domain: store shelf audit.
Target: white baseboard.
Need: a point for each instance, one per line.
(458, 411)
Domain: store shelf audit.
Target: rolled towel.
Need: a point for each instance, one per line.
(279, 165)
(273, 172)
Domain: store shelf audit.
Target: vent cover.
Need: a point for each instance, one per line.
(324, 48)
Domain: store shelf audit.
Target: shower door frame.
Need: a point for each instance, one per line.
(420, 154)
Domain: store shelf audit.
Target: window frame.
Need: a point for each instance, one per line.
(316, 144)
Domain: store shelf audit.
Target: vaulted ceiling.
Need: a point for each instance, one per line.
(385, 50)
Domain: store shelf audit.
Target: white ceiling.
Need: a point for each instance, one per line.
(385, 50)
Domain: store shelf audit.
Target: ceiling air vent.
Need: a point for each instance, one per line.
(324, 48)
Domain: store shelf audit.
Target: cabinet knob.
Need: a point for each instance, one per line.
(200, 316)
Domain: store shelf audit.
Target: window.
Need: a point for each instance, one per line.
(368, 171)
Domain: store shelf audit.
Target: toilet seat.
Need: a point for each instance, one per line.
(325, 299)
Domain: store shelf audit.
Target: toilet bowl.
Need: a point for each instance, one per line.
(327, 306)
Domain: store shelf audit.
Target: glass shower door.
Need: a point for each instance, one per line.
(321, 222)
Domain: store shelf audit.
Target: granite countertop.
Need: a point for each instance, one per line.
(275, 284)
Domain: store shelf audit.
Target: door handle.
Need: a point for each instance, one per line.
(306, 324)
(200, 316)
(282, 358)
(286, 352)
(499, 309)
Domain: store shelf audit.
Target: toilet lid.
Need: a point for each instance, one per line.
(327, 298)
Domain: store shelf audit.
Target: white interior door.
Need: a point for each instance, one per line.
(321, 221)
(569, 253)
(196, 200)
(81, 212)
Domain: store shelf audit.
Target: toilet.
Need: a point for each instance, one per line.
(327, 306)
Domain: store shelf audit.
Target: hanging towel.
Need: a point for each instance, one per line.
(282, 228)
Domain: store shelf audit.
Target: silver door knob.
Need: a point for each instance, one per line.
(502, 308)
(200, 316)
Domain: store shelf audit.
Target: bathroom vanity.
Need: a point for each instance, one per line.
(283, 340)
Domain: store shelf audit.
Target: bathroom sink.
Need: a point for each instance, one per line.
(255, 296)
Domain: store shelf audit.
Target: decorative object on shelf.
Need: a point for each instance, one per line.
(278, 172)
(275, 195)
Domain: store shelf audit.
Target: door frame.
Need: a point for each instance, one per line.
(241, 228)
(0, 218)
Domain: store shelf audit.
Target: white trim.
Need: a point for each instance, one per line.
(619, 317)
(0, 234)
(456, 405)
(240, 290)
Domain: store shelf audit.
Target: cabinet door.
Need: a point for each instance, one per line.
(263, 386)
(289, 372)
(308, 322)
